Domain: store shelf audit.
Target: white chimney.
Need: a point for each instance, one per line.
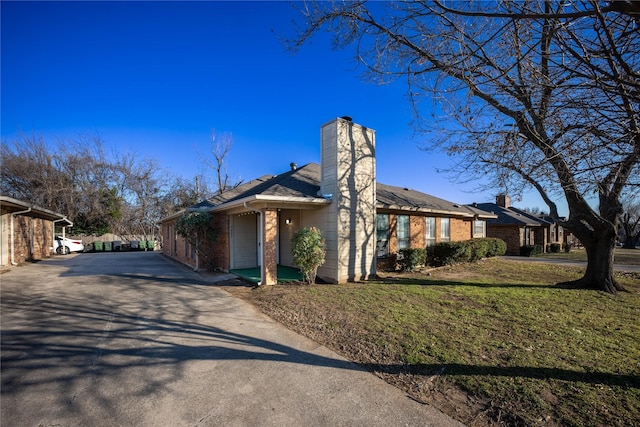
(348, 166)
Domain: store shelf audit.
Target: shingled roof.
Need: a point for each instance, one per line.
(405, 199)
(509, 216)
(303, 184)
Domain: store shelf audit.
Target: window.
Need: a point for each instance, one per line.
(431, 231)
(403, 231)
(478, 228)
(382, 235)
(445, 230)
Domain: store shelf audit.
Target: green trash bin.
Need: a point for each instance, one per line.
(107, 246)
(98, 247)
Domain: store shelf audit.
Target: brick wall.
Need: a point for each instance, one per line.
(33, 238)
(460, 229)
(179, 249)
(221, 256)
(393, 234)
(270, 247)
(175, 246)
(511, 236)
(417, 232)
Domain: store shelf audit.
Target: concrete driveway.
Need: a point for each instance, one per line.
(115, 339)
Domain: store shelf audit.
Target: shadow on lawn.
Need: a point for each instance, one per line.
(439, 282)
(539, 373)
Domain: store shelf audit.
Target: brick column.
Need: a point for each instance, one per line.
(269, 247)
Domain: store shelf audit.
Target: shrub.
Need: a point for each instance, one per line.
(469, 250)
(498, 247)
(308, 252)
(555, 247)
(480, 248)
(412, 258)
(446, 253)
(530, 250)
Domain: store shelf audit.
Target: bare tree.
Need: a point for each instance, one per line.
(123, 194)
(630, 221)
(535, 95)
(220, 146)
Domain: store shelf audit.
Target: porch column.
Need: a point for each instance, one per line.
(269, 246)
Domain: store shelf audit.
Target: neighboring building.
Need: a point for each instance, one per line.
(361, 220)
(520, 228)
(26, 231)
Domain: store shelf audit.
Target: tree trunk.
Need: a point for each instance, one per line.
(599, 274)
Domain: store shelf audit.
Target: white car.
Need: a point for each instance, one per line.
(63, 245)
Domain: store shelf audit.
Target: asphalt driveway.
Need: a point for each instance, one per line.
(134, 339)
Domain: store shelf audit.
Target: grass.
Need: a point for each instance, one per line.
(519, 350)
(621, 256)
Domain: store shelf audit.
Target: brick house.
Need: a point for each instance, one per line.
(519, 228)
(26, 231)
(361, 220)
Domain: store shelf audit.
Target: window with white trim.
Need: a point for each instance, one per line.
(479, 228)
(403, 231)
(445, 230)
(382, 235)
(431, 231)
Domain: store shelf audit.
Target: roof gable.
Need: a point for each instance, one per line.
(303, 182)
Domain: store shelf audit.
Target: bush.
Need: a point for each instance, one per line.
(308, 252)
(498, 247)
(531, 250)
(480, 248)
(555, 248)
(412, 258)
(446, 253)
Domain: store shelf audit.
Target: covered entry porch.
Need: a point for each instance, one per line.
(260, 233)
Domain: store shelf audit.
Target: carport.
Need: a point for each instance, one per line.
(27, 231)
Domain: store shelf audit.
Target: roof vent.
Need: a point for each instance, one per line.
(456, 206)
(406, 189)
(294, 166)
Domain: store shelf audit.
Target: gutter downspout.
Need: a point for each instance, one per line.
(13, 246)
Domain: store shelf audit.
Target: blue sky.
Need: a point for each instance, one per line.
(155, 78)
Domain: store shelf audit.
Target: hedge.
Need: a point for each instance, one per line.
(412, 258)
(530, 250)
(446, 253)
(555, 248)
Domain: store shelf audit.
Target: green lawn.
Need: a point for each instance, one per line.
(499, 331)
(621, 256)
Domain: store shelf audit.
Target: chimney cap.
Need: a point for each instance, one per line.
(347, 118)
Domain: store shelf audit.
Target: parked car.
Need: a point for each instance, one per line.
(64, 245)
